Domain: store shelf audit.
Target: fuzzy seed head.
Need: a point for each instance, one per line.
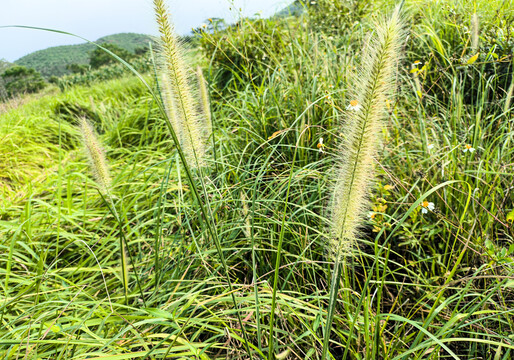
(177, 90)
(204, 102)
(475, 32)
(96, 155)
(372, 85)
(169, 103)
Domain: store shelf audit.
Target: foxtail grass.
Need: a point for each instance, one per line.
(205, 105)
(475, 32)
(372, 85)
(169, 103)
(100, 170)
(188, 134)
(96, 156)
(178, 96)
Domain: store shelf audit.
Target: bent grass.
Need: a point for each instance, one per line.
(203, 258)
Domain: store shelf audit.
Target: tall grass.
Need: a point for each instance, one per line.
(363, 123)
(218, 254)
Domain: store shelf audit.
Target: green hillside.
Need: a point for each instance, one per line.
(331, 186)
(53, 61)
(294, 9)
(4, 64)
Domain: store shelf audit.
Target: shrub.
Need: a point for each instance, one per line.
(114, 71)
(247, 49)
(99, 57)
(463, 42)
(21, 80)
(334, 17)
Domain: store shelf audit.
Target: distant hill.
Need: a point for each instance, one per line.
(294, 9)
(4, 64)
(53, 61)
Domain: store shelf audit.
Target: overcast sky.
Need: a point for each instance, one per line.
(93, 19)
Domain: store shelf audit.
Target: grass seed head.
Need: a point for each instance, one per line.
(204, 102)
(96, 155)
(373, 84)
(180, 102)
(169, 102)
(475, 32)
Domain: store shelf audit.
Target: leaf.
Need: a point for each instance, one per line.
(509, 284)
(473, 59)
(510, 216)
(159, 313)
(53, 328)
(498, 353)
(276, 133)
(283, 354)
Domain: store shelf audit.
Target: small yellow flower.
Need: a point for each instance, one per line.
(468, 148)
(415, 67)
(354, 105)
(320, 145)
(425, 206)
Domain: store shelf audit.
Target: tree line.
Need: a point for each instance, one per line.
(17, 79)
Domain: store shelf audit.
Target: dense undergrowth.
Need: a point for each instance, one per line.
(421, 284)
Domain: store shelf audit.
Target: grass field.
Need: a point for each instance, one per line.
(344, 192)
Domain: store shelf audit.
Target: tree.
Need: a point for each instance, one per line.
(3, 92)
(77, 68)
(100, 58)
(21, 80)
(4, 65)
(140, 51)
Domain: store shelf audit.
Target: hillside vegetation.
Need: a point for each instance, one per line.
(53, 61)
(332, 185)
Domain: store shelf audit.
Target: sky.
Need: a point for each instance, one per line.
(93, 19)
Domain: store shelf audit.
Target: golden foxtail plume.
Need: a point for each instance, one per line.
(100, 171)
(170, 106)
(363, 122)
(96, 155)
(373, 84)
(178, 96)
(204, 102)
(475, 33)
